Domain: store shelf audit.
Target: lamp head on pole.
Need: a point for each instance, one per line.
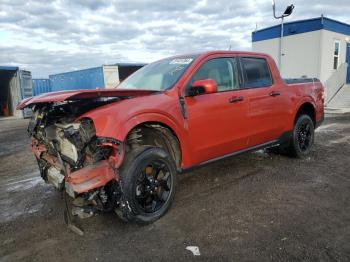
(289, 10)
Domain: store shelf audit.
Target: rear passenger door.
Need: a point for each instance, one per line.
(266, 111)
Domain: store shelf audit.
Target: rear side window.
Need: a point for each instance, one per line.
(256, 72)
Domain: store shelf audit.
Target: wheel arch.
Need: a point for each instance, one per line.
(308, 108)
(155, 132)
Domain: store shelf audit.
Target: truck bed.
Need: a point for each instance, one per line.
(290, 81)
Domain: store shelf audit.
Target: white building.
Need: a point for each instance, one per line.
(318, 47)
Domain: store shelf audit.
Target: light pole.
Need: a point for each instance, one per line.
(286, 13)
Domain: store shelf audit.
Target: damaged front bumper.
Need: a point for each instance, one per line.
(84, 180)
(90, 177)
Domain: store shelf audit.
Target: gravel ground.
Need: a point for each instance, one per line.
(255, 207)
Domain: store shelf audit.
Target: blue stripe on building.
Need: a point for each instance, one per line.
(302, 26)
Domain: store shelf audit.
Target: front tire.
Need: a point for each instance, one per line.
(148, 178)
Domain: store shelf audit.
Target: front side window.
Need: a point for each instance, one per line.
(256, 72)
(222, 70)
(336, 54)
(159, 75)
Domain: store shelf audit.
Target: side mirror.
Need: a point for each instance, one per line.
(200, 87)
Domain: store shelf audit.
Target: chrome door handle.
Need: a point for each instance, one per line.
(236, 99)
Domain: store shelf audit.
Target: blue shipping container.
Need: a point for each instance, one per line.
(106, 76)
(41, 86)
(91, 78)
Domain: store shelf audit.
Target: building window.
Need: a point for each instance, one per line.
(336, 54)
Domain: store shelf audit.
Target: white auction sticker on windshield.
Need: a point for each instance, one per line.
(181, 61)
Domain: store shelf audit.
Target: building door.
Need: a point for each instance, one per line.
(25, 80)
(348, 62)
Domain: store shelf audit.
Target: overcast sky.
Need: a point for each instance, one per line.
(55, 36)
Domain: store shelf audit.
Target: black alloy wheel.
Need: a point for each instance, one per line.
(153, 186)
(305, 136)
(148, 179)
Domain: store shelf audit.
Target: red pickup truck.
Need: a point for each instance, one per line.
(120, 149)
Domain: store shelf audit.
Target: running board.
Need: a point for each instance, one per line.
(236, 153)
(247, 150)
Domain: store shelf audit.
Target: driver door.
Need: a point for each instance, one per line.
(217, 122)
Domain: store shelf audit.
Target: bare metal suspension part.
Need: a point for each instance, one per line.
(135, 137)
(103, 195)
(67, 215)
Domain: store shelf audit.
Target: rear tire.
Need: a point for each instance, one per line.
(148, 178)
(302, 138)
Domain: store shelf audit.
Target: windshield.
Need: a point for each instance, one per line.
(159, 75)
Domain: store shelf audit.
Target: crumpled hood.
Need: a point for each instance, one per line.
(81, 94)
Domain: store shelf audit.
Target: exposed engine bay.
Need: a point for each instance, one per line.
(72, 158)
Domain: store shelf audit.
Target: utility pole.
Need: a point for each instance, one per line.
(287, 12)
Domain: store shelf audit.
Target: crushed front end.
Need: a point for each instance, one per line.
(72, 158)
